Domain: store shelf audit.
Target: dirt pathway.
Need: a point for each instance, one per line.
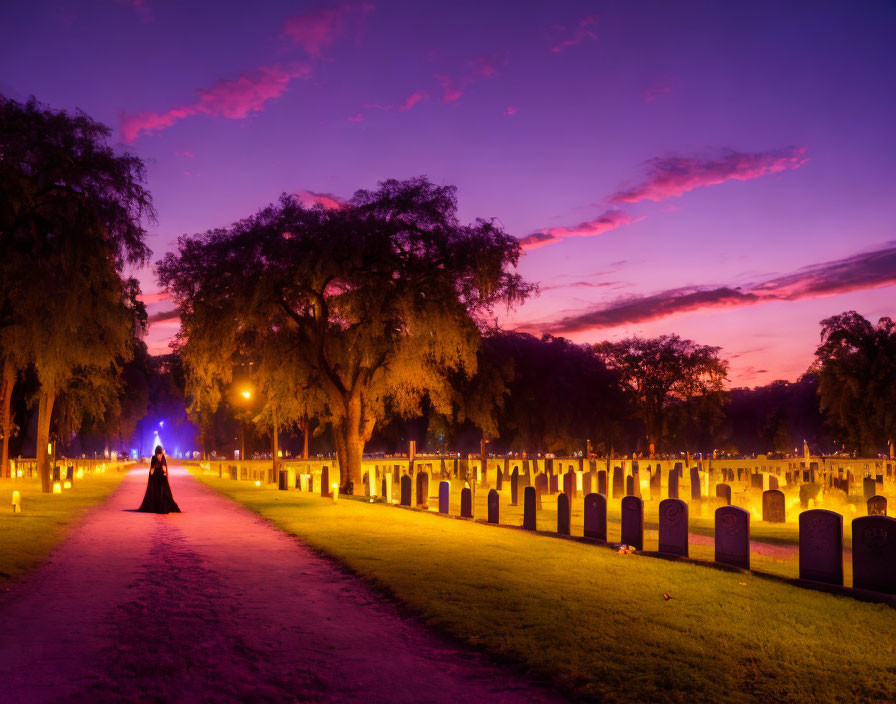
(214, 605)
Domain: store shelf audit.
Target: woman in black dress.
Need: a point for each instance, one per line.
(158, 497)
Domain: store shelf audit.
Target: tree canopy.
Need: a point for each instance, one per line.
(376, 301)
(71, 216)
(856, 366)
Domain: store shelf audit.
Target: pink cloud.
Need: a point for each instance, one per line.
(233, 99)
(149, 298)
(510, 110)
(319, 28)
(672, 176)
(609, 220)
(188, 155)
(327, 200)
(357, 117)
(578, 34)
(450, 89)
(866, 270)
(489, 66)
(413, 99)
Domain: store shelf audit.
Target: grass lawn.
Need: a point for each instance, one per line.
(594, 622)
(27, 538)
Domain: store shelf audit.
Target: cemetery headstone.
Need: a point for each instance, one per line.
(672, 489)
(596, 516)
(493, 506)
(406, 488)
(618, 482)
(773, 506)
(602, 482)
(325, 482)
(821, 546)
(756, 481)
(444, 496)
(868, 487)
(514, 486)
(529, 508)
(723, 491)
(695, 483)
(554, 482)
(874, 553)
(569, 484)
(466, 503)
(588, 481)
(656, 482)
(732, 537)
(563, 518)
(772, 482)
(632, 510)
(422, 488)
(877, 506)
(629, 486)
(673, 532)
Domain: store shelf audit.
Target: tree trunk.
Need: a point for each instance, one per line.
(350, 440)
(275, 438)
(47, 397)
(306, 427)
(8, 382)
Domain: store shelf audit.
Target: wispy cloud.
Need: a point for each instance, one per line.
(672, 176)
(482, 67)
(583, 30)
(233, 99)
(413, 99)
(511, 110)
(317, 29)
(164, 316)
(866, 270)
(609, 220)
(149, 298)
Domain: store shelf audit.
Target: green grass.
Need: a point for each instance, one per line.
(594, 622)
(27, 538)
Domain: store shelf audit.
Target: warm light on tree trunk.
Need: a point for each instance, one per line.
(46, 399)
(8, 381)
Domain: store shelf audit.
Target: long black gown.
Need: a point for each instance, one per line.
(158, 498)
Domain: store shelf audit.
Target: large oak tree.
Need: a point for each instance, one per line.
(71, 214)
(376, 301)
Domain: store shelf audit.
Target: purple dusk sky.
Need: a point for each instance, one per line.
(723, 170)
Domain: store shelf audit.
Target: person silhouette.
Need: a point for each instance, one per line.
(158, 497)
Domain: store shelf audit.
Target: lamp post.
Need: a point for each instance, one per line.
(247, 395)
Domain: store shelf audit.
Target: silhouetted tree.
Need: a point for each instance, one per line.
(71, 214)
(375, 301)
(856, 364)
(667, 377)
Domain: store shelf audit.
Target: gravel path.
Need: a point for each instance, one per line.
(215, 605)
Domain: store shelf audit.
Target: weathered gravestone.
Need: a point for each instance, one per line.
(396, 474)
(514, 486)
(466, 503)
(636, 480)
(618, 482)
(756, 481)
(283, 480)
(541, 487)
(773, 506)
(56, 473)
(821, 546)
(406, 487)
(499, 479)
(422, 488)
(563, 518)
(633, 522)
(732, 536)
(672, 489)
(596, 516)
(723, 491)
(874, 553)
(529, 508)
(673, 527)
(569, 484)
(877, 506)
(629, 486)
(868, 487)
(695, 483)
(602, 482)
(554, 482)
(386, 488)
(444, 496)
(772, 482)
(493, 506)
(588, 479)
(325, 481)
(656, 482)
